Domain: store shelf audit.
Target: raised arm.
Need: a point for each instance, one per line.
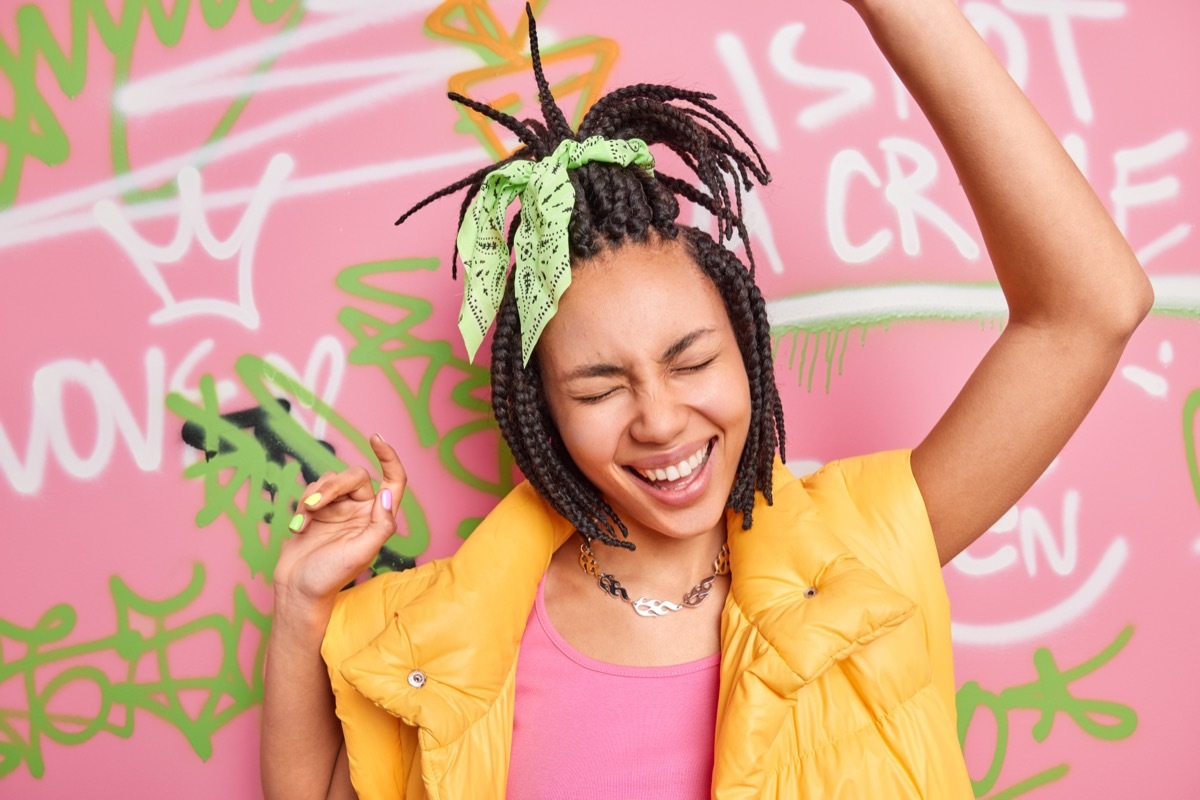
(341, 526)
(1075, 291)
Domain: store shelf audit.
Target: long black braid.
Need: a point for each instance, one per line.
(614, 205)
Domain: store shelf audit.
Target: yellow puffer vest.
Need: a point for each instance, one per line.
(847, 692)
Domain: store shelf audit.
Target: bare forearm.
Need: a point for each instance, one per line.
(1059, 257)
(1075, 291)
(301, 735)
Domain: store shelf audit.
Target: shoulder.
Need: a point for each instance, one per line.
(878, 489)
(361, 612)
(875, 507)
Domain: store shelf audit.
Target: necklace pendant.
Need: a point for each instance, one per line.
(587, 561)
(613, 586)
(699, 593)
(649, 607)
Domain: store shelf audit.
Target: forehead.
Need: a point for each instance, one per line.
(630, 303)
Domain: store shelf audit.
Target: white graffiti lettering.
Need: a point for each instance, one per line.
(71, 211)
(193, 226)
(758, 225)
(872, 305)
(1059, 14)
(736, 60)
(1035, 536)
(54, 432)
(969, 562)
(904, 191)
(1053, 618)
(1127, 195)
(328, 360)
(1152, 383)
(845, 165)
(853, 90)
(1036, 543)
(50, 431)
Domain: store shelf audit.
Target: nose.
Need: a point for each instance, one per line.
(660, 418)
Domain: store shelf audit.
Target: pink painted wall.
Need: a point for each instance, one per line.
(195, 216)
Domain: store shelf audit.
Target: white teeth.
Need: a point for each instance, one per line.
(681, 470)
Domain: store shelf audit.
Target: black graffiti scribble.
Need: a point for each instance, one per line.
(254, 420)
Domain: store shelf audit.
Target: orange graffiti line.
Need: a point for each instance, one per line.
(473, 24)
(587, 85)
(480, 27)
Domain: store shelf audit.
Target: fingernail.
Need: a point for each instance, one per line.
(379, 436)
(297, 522)
(312, 499)
(386, 497)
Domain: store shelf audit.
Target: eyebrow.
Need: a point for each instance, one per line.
(608, 370)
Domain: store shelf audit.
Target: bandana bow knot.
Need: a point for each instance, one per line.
(543, 257)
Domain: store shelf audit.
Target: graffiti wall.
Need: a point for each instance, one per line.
(205, 303)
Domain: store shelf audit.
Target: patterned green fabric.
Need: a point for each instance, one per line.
(543, 258)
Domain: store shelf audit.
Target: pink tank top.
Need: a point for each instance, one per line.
(587, 729)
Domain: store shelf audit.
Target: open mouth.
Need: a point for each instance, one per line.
(679, 476)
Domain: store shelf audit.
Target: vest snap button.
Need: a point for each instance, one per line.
(810, 592)
(416, 679)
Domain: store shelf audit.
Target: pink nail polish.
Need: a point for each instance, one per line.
(386, 497)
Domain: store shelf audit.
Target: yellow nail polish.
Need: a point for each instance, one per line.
(297, 522)
(312, 499)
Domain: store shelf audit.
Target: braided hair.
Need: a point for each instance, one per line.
(615, 205)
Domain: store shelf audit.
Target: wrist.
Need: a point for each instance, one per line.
(298, 613)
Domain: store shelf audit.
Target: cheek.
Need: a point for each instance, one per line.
(726, 400)
(589, 438)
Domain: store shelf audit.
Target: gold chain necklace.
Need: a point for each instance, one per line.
(646, 606)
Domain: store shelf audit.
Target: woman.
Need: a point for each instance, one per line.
(788, 638)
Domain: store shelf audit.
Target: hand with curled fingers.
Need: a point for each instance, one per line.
(339, 527)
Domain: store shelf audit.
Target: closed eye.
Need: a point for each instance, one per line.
(696, 367)
(594, 398)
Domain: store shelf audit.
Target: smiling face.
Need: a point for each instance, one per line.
(646, 385)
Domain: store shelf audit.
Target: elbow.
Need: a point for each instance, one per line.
(1134, 304)
(1119, 304)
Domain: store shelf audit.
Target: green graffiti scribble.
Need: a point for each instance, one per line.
(34, 131)
(243, 485)
(392, 343)
(1189, 439)
(1051, 695)
(153, 677)
(1033, 782)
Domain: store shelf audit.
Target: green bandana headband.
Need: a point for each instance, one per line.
(543, 262)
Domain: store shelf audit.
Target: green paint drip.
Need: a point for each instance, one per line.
(841, 354)
(803, 356)
(832, 341)
(833, 352)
